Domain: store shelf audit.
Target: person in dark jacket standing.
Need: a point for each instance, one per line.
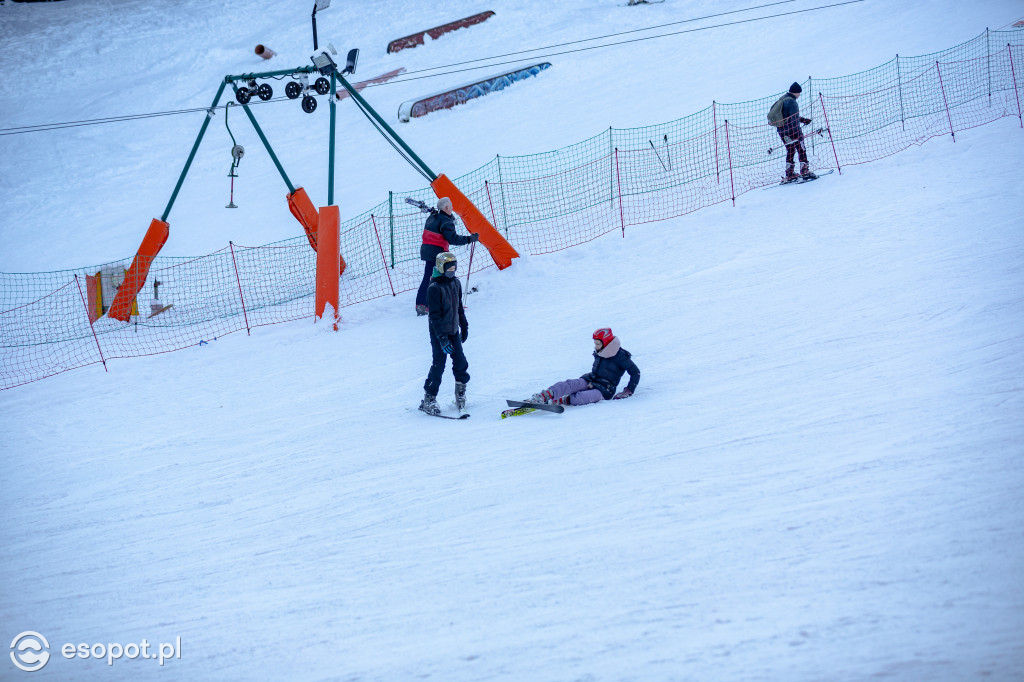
(438, 234)
(611, 361)
(449, 329)
(793, 135)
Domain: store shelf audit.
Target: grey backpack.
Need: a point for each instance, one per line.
(775, 114)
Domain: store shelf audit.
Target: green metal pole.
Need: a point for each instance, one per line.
(192, 155)
(259, 131)
(330, 147)
(269, 74)
(362, 102)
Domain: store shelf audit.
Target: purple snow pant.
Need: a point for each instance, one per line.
(577, 390)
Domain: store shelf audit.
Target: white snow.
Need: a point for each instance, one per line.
(819, 478)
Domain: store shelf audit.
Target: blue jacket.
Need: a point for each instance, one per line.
(791, 116)
(607, 372)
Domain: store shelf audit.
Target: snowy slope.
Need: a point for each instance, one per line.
(819, 478)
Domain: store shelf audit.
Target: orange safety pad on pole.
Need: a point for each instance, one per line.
(122, 306)
(328, 258)
(501, 251)
(304, 211)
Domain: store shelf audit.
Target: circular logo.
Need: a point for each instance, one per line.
(29, 654)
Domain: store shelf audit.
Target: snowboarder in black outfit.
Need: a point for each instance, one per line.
(438, 234)
(788, 127)
(449, 329)
(611, 361)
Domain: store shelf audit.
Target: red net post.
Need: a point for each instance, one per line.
(945, 101)
(728, 148)
(95, 338)
(238, 279)
(1016, 92)
(383, 258)
(618, 180)
(835, 155)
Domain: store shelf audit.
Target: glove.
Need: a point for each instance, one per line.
(465, 333)
(474, 237)
(624, 393)
(805, 121)
(446, 344)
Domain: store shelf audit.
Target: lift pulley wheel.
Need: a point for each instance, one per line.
(243, 95)
(322, 86)
(293, 89)
(264, 91)
(309, 104)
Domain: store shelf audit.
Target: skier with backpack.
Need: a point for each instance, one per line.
(785, 117)
(448, 330)
(611, 361)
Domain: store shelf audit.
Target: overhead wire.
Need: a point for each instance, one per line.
(18, 130)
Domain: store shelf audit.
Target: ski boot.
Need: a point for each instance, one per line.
(460, 395)
(429, 404)
(544, 397)
(791, 176)
(806, 173)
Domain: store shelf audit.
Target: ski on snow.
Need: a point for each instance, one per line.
(518, 407)
(800, 181)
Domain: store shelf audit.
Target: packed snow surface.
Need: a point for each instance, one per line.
(819, 477)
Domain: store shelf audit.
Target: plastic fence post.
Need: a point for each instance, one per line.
(391, 224)
(382, 257)
(611, 158)
(240, 296)
(95, 338)
(714, 123)
(988, 53)
(490, 203)
(899, 83)
(622, 217)
(821, 98)
(945, 101)
(1015, 92)
(501, 184)
(728, 149)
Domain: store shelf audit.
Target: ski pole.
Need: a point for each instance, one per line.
(659, 156)
(469, 271)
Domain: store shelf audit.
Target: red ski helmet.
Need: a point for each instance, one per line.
(604, 335)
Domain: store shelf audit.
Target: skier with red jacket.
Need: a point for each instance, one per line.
(438, 234)
(611, 361)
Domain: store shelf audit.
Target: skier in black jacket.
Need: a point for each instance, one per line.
(611, 361)
(438, 234)
(449, 329)
(793, 135)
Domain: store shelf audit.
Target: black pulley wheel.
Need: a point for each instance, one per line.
(309, 104)
(243, 95)
(293, 90)
(322, 86)
(265, 92)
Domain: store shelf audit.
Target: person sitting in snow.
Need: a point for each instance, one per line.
(611, 361)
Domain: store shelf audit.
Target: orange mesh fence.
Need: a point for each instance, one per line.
(539, 203)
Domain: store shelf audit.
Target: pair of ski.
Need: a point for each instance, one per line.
(516, 408)
(799, 180)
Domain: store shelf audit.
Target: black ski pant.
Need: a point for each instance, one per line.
(796, 147)
(459, 364)
(421, 295)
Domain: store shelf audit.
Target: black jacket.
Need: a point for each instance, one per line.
(607, 372)
(444, 299)
(791, 116)
(444, 225)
